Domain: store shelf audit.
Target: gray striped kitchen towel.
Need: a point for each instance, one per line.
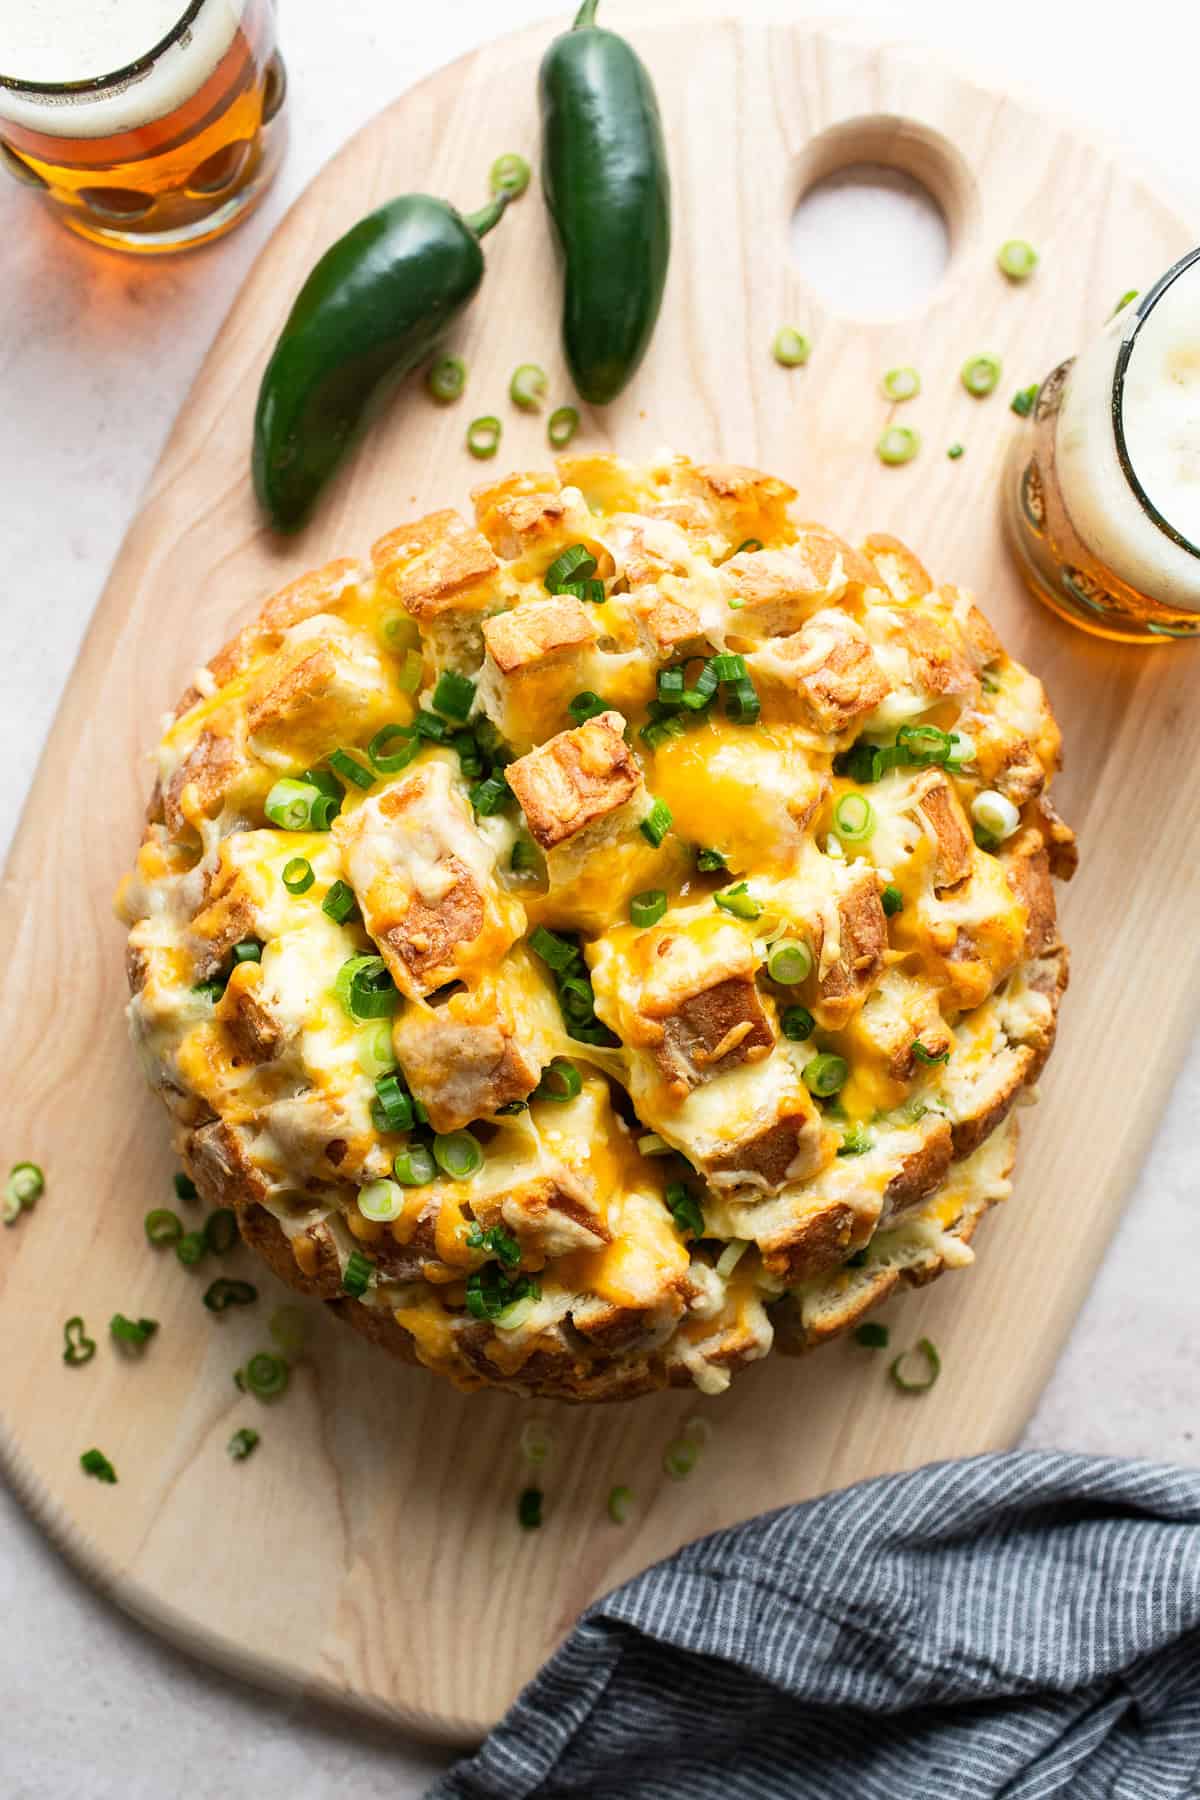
(1024, 1625)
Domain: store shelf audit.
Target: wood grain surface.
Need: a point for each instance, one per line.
(369, 1550)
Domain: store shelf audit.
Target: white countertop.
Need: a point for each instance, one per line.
(96, 354)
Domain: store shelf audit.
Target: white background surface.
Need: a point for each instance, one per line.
(96, 354)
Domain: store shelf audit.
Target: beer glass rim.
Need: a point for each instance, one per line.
(1148, 302)
(98, 84)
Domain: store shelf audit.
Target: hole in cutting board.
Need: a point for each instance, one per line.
(872, 241)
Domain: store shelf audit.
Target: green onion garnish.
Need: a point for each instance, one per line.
(298, 875)
(790, 347)
(708, 860)
(398, 631)
(381, 1201)
(1123, 302)
(789, 962)
(289, 803)
(266, 1376)
(670, 685)
(163, 1227)
(536, 1443)
(221, 1230)
(660, 731)
(680, 1458)
(650, 1144)
(491, 1294)
(458, 1154)
(447, 378)
(242, 1443)
(339, 903)
(954, 452)
(929, 1057)
(554, 951)
(696, 698)
(925, 744)
(657, 823)
(185, 1187)
(490, 796)
(210, 990)
(901, 384)
(134, 1333)
(223, 1292)
(389, 761)
(356, 1276)
(585, 706)
(620, 1500)
(741, 701)
(560, 1080)
(825, 1074)
(191, 1248)
(250, 950)
(854, 818)
(529, 1509)
(891, 900)
(408, 675)
(527, 389)
(576, 563)
(365, 988)
(856, 1140)
(1024, 401)
(414, 1166)
(980, 375)
(649, 907)
(509, 175)
(796, 1023)
(26, 1183)
(685, 1209)
(526, 858)
(739, 901)
(483, 436)
(562, 426)
(995, 814)
(748, 544)
(350, 769)
(454, 694)
(394, 1102)
(1017, 259)
(872, 1336)
(898, 444)
(78, 1347)
(499, 1241)
(933, 1368)
(94, 1462)
(325, 809)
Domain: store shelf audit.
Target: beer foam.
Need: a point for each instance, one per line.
(1160, 415)
(54, 41)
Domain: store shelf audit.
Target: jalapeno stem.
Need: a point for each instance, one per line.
(586, 15)
(481, 222)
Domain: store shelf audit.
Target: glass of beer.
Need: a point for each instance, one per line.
(1102, 485)
(168, 150)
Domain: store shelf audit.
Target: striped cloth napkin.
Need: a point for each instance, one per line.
(1023, 1626)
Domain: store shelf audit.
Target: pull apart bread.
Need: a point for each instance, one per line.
(588, 947)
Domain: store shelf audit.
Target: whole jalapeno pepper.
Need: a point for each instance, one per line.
(604, 172)
(371, 310)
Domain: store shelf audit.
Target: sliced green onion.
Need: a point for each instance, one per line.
(872, 1336)
(210, 990)
(350, 769)
(135, 1333)
(408, 676)
(980, 375)
(414, 1166)
(458, 1154)
(901, 384)
(289, 803)
(365, 988)
(389, 761)
(491, 1294)
(26, 1183)
(748, 544)
(483, 436)
(898, 444)
(324, 782)
(709, 860)
(742, 703)
(657, 823)
(223, 1293)
(399, 631)
(796, 1023)
(185, 1187)
(856, 1140)
(954, 452)
(554, 951)
(498, 1241)
(660, 731)
(707, 682)
(266, 1376)
(94, 1462)
(339, 903)
(527, 389)
(576, 563)
(560, 1080)
(394, 1102)
(585, 706)
(289, 1327)
(377, 1055)
(650, 1144)
(739, 901)
(490, 796)
(325, 810)
(995, 813)
(221, 1230)
(298, 875)
(250, 950)
(191, 1248)
(509, 175)
(454, 694)
(620, 1499)
(356, 1276)
(526, 858)
(731, 1256)
(891, 900)
(78, 1347)
(671, 685)
(924, 744)
(529, 1509)
(854, 818)
(932, 1368)
(649, 907)
(163, 1227)
(1123, 302)
(1024, 401)
(536, 1442)
(790, 347)
(561, 426)
(825, 1074)
(1017, 259)
(446, 379)
(962, 750)
(511, 1108)
(929, 1057)
(242, 1443)
(680, 1458)
(789, 962)
(685, 1209)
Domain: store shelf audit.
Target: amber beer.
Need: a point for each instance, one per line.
(1102, 491)
(168, 151)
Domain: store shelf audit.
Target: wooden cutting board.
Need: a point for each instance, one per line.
(369, 1551)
